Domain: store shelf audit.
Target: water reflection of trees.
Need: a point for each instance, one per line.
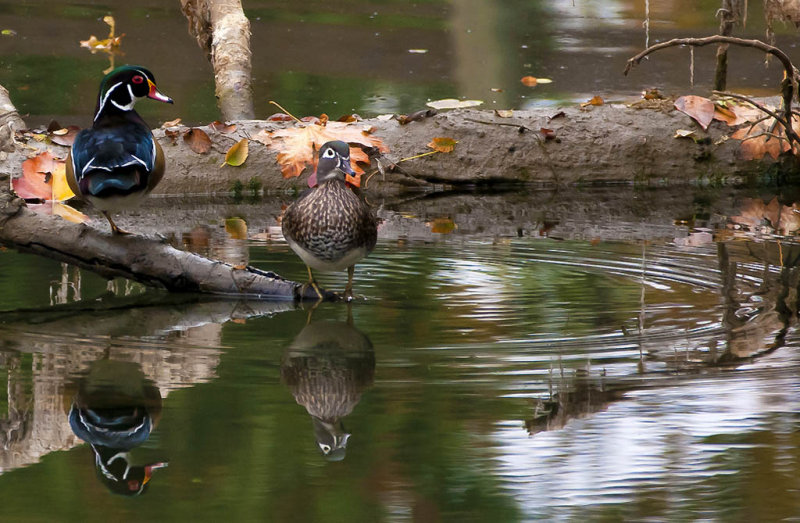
(759, 289)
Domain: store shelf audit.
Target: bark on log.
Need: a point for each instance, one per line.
(10, 121)
(223, 32)
(145, 260)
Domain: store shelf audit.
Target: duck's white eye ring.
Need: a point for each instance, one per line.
(329, 153)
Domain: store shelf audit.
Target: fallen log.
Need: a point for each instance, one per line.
(610, 143)
(150, 261)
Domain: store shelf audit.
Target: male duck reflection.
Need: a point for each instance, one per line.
(327, 367)
(114, 410)
(330, 226)
(117, 162)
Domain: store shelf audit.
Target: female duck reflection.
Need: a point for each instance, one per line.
(327, 367)
(114, 409)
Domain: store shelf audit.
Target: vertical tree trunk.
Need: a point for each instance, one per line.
(731, 12)
(223, 32)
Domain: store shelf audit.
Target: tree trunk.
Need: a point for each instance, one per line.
(223, 32)
(145, 260)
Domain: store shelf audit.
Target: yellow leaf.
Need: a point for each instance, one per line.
(443, 144)
(596, 100)
(236, 228)
(504, 113)
(237, 154)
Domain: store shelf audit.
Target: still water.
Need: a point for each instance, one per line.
(603, 353)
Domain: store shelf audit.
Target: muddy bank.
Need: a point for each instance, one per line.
(608, 143)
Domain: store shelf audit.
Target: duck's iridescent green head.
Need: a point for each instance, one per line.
(120, 89)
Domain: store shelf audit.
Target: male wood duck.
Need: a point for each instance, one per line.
(330, 226)
(117, 162)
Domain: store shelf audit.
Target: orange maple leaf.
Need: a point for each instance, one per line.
(296, 145)
(43, 177)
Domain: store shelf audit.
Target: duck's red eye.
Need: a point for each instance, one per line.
(137, 79)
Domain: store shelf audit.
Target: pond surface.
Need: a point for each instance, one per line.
(600, 353)
(375, 57)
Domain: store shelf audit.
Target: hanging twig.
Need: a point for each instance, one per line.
(788, 85)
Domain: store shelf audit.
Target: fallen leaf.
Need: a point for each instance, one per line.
(110, 44)
(8, 32)
(44, 177)
(595, 100)
(172, 123)
(59, 209)
(263, 136)
(296, 145)
(65, 136)
(417, 51)
(496, 90)
(529, 81)
(452, 103)
(172, 135)
(685, 133)
(549, 134)
(279, 117)
(652, 94)
(443, 144)
(222, 127)
(700, 109)
(237, 154)
(198, 141)
(236, 228)
(349, 118)
(504, 113)
(385, 117)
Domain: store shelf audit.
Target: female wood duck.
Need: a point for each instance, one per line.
(117, 162)
(330, 226)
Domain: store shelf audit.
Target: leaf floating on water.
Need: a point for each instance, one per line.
(108, 45)
(237, 154)
(197, 140)
(700, 109)
(236, 228)
(532, 81)
(443, 144)
(417, 51)
(442, 226)
(452, 103)
(595, 100)
(8, 32)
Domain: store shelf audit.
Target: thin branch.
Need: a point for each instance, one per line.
(788, 85)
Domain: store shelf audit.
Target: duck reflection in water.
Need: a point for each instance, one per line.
(327, 367)
(114, 409)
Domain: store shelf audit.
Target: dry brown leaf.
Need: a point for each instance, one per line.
(504, 113)
(595, 100)
(700, 109)
(172, 123)
(221, 127)
(197, 140)
(43, 177)
(263, 136)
